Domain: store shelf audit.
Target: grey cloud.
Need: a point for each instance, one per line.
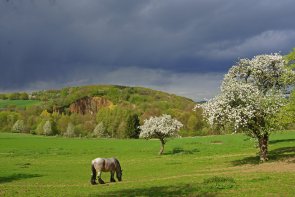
(56, 41)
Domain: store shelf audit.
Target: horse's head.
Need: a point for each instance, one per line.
(119, 175)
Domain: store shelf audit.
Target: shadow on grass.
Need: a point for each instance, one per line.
(16, 177)
(273, 155)
(278, 141)
(181, 151)
(209, 187)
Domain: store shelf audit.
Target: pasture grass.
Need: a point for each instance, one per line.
(202, 166)
(18, 103)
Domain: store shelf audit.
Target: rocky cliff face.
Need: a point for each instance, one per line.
(89, 105)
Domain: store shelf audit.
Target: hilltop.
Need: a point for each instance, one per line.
(138, 97)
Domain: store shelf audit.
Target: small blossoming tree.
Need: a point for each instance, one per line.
(251, 95)
(100, 131)
(160, 127)
(70, 130)
(18, 126)
(47, 129)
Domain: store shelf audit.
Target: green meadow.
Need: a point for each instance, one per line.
(18, 103)
(225, 165)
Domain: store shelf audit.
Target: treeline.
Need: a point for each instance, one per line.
(15, 96)
(115, 123)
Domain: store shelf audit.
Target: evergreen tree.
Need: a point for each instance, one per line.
(132, 128)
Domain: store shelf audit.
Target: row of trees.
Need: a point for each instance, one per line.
(15, 96)
(118, 121)
(115, 123)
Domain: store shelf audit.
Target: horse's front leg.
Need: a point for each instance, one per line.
(93, 177)
(99, 178)
(112, 176)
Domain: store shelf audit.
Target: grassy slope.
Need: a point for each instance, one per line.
(18, 103)
(54, 166)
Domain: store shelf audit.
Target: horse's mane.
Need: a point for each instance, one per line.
(118, 164)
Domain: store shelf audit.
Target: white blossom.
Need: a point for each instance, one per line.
(163, 126)
(251, 94)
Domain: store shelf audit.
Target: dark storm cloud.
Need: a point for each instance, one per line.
(50, 43)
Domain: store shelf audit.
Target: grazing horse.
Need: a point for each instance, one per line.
(99, 165)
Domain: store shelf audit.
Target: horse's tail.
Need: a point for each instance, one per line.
(93, 177)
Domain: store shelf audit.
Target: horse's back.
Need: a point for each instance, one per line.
(105, 164)
(97, 160)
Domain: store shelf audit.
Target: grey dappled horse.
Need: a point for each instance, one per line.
(99, 165)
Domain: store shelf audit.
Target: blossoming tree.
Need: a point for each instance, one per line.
(252, 93)
(160, 127)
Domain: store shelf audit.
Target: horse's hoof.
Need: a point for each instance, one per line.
(100, 181)
(93, 182)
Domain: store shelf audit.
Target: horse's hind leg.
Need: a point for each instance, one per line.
(99, 178)
(112, 176)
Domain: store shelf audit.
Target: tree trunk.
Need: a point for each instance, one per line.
(263, 145)
(162, 146)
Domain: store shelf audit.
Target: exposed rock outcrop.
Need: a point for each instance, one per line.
(89, 105)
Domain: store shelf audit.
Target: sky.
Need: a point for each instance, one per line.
(179, 46)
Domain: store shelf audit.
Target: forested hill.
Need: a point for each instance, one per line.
(122, 96)
(115, 110)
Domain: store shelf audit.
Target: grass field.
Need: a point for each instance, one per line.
(202, 166)
(18, 103)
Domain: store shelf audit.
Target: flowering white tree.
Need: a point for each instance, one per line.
(251, 95)
(47, 129)
(161, 128)
(70, 130)
(100, 131)
(18, 126)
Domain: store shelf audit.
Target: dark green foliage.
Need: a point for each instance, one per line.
(132, 128)
(15, 96)
(115, 121)
(3, 96)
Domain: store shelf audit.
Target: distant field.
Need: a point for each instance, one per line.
(207, 166)
(18, 103)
